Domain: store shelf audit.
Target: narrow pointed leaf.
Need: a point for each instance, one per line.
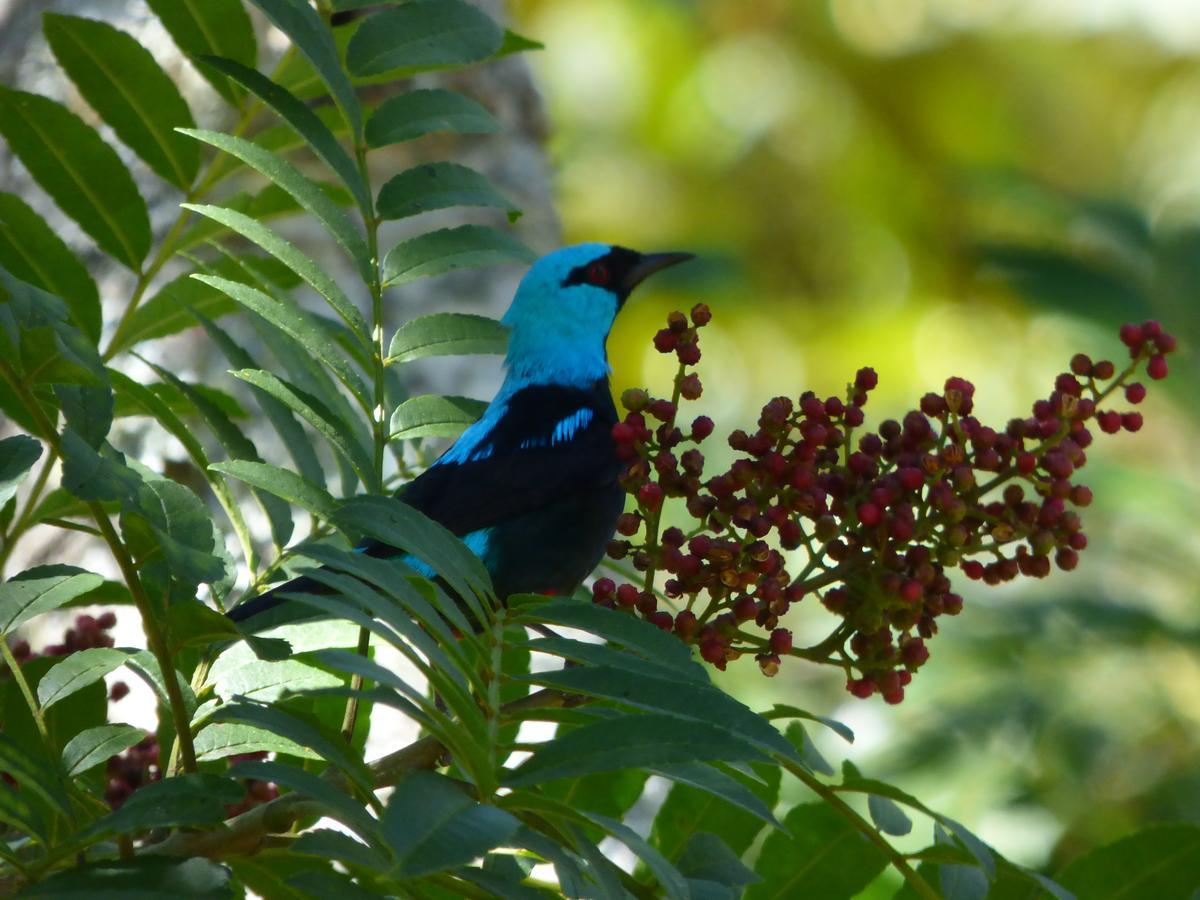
(93, 746)
(121, 81)
(289, 430)
(1162, 861)
(439, 185)
(191, 800)
(431, 825)
(624, 742)
(210, 27)
(76, 671)
(668, 877)
(303, 731)
(887, 816)
(313, 411)
(819, 855)
(447, 334)
(302, 120)
(304, 27)
(423, 34)
(296, 323)
(341, 805)
(219, 740)
(40, 590)
(17, 456)
(144, 878)
(303, 189)
(291, 486)
(33, 252)
(414, 114)
(448, 249)
(287, 253)
(434, 416)
(83, 174)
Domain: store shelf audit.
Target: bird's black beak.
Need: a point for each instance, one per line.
(647, 265)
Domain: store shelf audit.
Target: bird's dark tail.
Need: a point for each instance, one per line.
(257, 607)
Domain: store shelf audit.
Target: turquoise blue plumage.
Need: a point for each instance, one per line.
(531, 487)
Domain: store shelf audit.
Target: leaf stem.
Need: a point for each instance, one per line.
(31, 701)
(895, 857)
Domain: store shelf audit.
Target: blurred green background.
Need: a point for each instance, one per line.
(935, 187)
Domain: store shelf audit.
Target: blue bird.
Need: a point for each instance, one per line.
(531, 487)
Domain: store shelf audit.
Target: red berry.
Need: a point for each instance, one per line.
(627, 595)
(745, 609)
(1103, 370)
(107, 620)
(861, 687)
(866, 379)
(701, 315)
(1081, 364)
(624, 433)
(1157, 367)
(1131, 421)
(1131, 335)
(686, 625)
(661, 619)
(1109, 421)
(869, 514)
(688, 354)
(650, 496)
(1165, 342)
(1135, 393)
(781, 641)
(118, 691)
(602, 588)
(665, 340)
(713, 651)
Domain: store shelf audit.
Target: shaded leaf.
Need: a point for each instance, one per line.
(191, 800)
(341, 805)
(303, 189)
(702, 802)
(283, 483)
(300, 22)
(303, 731)
(439, 185)
(93, 746)
(820, 855)
(1161, 861)
(33, 252)
(431, 825)
(887, 816)
(82, 173)
(316, 413)
(121, 81)
(413, 114)
(303, 120)
(203, 27)
(670, 881)
(447, 334)
(447, 249)
(17, 456)
(287, 253)
(298, 325)
(424, 34)
(709, 858)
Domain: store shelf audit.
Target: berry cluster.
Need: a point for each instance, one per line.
(87, 632)
(130, 770)
(870, 524)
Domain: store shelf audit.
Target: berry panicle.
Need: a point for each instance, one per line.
(871, 524)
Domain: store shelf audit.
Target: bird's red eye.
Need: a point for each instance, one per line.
(597, 273)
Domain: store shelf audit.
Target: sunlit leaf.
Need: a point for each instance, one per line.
(76, 671)
(133, 95)
(203, 27)
(40, 590)
(431, 415)
(33, 252)
(82, 173)
(447, 334)
(93, 746)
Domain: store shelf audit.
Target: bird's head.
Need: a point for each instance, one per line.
(565, 306)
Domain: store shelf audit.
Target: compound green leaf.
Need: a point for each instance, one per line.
(93, 746)
(447, 334)
(432, 415)
(40, 590)
(17, 456)
(76, 671)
